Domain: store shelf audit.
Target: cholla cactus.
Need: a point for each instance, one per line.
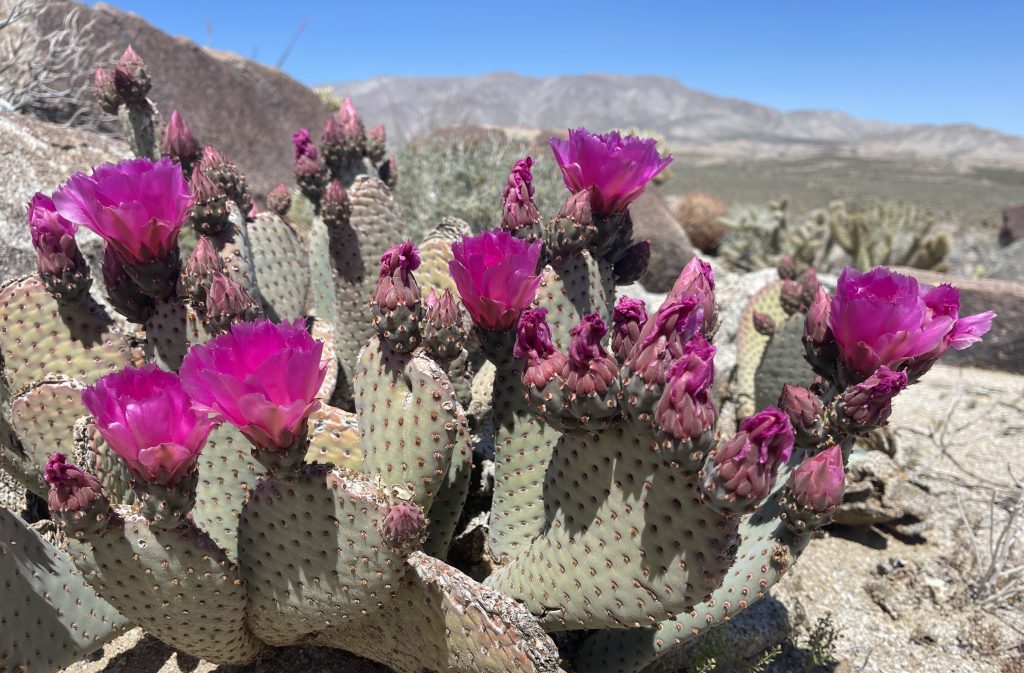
(211, 493)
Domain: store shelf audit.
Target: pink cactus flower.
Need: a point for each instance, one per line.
(496, 275)
(304, 146)
(748, 463)
(818, 482)
(53, 237)
(885, 318)
(137, 206)
(616, 168)
(261, 377)
(149, 421)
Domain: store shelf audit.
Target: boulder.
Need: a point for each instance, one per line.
(670, 247)
(246, 110)
(37, 156)
(1013, 225)
(1003, 347)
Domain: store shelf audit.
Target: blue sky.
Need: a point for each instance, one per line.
(920, 62)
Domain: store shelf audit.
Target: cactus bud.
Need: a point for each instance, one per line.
(628, 319)
(123, 292)
(404, 526)
(198, 272)
(697, 279)
(311, 176)
(534, 345)
(225, 174)
(686, 410)
(633, 264)
(106, 94)
(209, 211)
(590, 370)
(819, 342)
(388, 172)
(131, 81)
(344, 138)
(76, 498)
(576, 207)
(805, 411)
(764, 323)
(660, 344)
(376, 143)
(518, 209)
(808, 287)
(179, 143)
(818, 482)
(791, 296)
(742, 471)
(786, 268)
(335, 206)
(279, 200)
(443, 333)
(60, 262)
(228, 302)
(867, 405)
(396, 300)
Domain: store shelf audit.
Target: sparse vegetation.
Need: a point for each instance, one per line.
(821, 643)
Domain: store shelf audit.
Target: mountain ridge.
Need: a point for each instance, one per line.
(692, 121)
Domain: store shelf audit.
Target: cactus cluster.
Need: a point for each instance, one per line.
(179, 422)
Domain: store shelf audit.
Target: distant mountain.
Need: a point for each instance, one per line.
(692, 121)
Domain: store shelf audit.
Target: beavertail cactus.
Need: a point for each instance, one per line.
(213, 494)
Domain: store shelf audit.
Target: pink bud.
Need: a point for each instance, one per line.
(404, 525)
(130, 77)
(662, 338)
(442, 312)
(179, 143)
(686, 409)
(106, 94)
(868, 404)
(228, 301)
(764, 323)
(697, 279)
(628, 318)
(519, 210)
(804, 409)
(534, 345)
(71, 489)
(204, 191)
(53, 237)
(279, 200)
(819, 481)
(746, 465)
(786, 268)
(304, 146)
(351, 122)
(576, 207)
(396, 285)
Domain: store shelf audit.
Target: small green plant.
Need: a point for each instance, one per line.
(716, 655)
(821, 642)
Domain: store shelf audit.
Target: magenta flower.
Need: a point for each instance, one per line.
(304, 146)
(496, 275)
(136, 206)
(149, 421)
(818, 482)
(748, 463)
(616, 168)
(53, 237)
(885, 318)
(261, 376)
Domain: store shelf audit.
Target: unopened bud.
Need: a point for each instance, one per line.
(279, 200)
(376, 143)
(130, 78)
(867, 405)
(228, 302)
(335, 206)
(628, 319)
(786, 268)
(805, 411)
(764, 323)
(106, 94)
(818, 482)
(404, 526)
(179, 143)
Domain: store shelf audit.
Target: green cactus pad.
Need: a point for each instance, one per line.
(782, 362)
(409, 419)
(92, 452)
(312, 553)
(436, 252)
(235, 249)
(40, 336)
(227, 473)
(575, 287)
(750, 345)
(49, 616)
(320, 301)
(175, 583)
(282, 267)
(767, 551)
(446, 509)
(44, 418)
(439, 619)
(324, 331)
(334, 438)
(170, 331)
(627, 540)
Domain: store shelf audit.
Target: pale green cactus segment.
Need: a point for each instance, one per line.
(436, 252)
(44, 418)
(627, 538)
(334, 438)
(320, 299)
(446, 509)
(782, 362)
(93, 453)
(16, 463)
(40, 336)
(750, 345)
(49, 617)
(441, 620)
(235, 249)
(522, 450)
(176, 583)
(324, 331)
(578, 285)
(170, 331)
(282, 267)
(227, 474)
(767, 552)
(323, 527)
(409, 419)
(355, 252)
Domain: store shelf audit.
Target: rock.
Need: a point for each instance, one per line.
(879, 494)
(38, 156)
(1004, 263)
(1003, 347)
(1013, 225)
(246, 110)
(670, 248)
